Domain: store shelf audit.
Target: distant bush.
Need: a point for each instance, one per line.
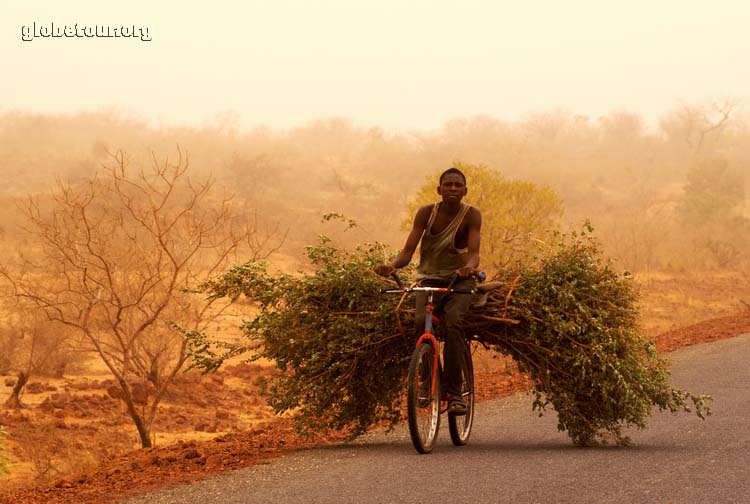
(517, 216)
(711, 214)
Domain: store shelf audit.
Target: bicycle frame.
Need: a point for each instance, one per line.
(429, 329)
(428, 335)
(426, 406)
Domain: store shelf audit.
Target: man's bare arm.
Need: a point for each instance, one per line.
(404, 257)
(474, 217)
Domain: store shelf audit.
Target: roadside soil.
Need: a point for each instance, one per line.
(76, 445)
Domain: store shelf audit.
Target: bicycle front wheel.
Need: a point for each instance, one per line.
(423, 398)
(460, 426)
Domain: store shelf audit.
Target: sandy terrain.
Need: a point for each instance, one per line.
(73, 440)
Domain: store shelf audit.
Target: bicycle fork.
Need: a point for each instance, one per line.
(429, 336)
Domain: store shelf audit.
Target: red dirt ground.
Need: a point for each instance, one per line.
(147, 470)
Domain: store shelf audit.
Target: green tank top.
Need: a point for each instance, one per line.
(438, 257)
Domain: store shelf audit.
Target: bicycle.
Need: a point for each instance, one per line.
(424, 395)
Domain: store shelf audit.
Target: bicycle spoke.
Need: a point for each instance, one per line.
(460, 426)
(423, 399)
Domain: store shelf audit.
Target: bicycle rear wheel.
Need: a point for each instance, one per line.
(423, 398)
(460, 426)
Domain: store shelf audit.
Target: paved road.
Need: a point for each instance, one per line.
(514, 456)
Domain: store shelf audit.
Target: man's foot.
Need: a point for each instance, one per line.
(456, 405)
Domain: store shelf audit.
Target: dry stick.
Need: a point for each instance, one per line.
(397, 310)
(371, 343)
(575, 342)
(539, 352)
(510, 291)
(350, 372)
(353, 312)
(500, 319)
(325, 371)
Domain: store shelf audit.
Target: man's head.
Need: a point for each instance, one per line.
(450, 170)
(452, 185)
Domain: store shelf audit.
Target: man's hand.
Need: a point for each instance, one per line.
(385, 270)
(466, 271)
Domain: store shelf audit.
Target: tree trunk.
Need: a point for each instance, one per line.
(140, 424)
(60, 369)
(153, 374)
(14, 401)
(143, 432)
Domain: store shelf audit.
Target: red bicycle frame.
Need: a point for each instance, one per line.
(428, 332)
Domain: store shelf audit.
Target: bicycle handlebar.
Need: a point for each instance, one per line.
(428, 289)
(480, 275)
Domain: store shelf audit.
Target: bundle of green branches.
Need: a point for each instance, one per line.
(342, 347)
(570, 322)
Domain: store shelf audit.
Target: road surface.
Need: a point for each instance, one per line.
(515, 456)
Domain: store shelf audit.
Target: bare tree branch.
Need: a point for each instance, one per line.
(115, 258)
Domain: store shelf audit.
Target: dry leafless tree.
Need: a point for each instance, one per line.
(114, 258)
(30, 345)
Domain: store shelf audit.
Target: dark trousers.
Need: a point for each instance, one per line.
(455, 309)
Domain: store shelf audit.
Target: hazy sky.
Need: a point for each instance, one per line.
(397, 64)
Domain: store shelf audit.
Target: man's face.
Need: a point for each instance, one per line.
(452, 188)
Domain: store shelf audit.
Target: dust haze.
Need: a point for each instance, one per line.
(670, 198)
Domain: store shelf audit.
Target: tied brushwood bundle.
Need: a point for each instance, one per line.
(342, 348)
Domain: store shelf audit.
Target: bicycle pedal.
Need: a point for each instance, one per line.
(457, 411)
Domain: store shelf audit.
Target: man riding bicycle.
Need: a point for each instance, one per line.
(449, 232)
